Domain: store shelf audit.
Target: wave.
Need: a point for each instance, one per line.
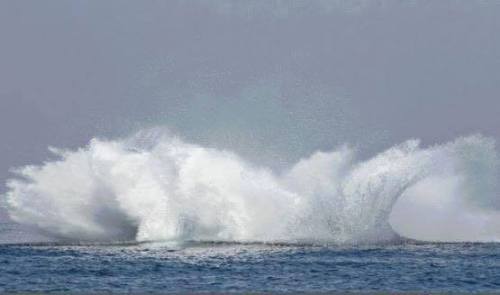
(156, 187)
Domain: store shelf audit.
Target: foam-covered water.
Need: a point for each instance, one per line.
(156, 187)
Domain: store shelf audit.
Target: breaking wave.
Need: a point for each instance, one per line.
(156, 187)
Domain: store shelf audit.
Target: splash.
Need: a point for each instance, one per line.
(156, 187)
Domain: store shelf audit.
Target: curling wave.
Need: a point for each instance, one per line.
(158, 187)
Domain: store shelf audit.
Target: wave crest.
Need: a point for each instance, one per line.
(157, 187)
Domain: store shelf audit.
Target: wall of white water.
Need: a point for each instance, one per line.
(154, 186)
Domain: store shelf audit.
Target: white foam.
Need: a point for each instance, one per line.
(159, 188)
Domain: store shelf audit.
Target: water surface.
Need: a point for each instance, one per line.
(219, 267)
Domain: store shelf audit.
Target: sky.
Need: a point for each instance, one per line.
(272, 80)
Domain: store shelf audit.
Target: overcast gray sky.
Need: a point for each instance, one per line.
(273, 80)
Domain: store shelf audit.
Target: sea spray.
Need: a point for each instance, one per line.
(156, 187)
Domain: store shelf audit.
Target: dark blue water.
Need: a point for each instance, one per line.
(244, 268)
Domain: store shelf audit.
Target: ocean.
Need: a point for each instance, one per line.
(259, 146)
(153, 213)
(228, 267)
